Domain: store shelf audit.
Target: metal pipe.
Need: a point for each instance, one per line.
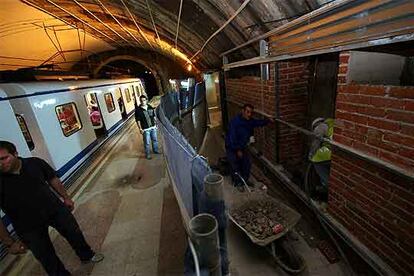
(84, 38)
(213, 203)
(213, 185)
(204, 234)
(17, 65)
(58, 42)
(152, 19)
(178, 23)
(386, 165)
(51, 40)
(119, 23)
(244, 181)
(84, 22)
(222, 27)
(13, 31)
(195, 257)
(136, 24)
(277, 111)
(103, 23)
(80, 44)
(20, 58)
(377, 42)
(49, 13)
(223, 99)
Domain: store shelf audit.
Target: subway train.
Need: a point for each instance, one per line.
(65, 122)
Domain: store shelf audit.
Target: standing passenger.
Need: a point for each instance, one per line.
(145, 118)
(26, 197)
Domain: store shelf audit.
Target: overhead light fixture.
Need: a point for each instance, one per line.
(189, 67)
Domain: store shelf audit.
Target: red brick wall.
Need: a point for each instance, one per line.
(292, 87)
(293, 90)
(261, 95)
(253, 90)
(375, 205)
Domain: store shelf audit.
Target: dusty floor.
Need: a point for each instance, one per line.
(250, 259)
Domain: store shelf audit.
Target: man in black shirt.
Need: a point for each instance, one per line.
(27, 199)
(145, 118)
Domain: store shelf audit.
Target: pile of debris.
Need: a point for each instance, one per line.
(261, 219)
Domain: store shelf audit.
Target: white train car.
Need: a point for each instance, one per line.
(9, 127)
(64, 122)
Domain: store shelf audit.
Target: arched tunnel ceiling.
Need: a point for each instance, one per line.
(138, 23)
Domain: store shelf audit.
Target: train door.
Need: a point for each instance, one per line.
(135, 96)
(25, 131)
(95, 114)
(121, 103)
(138, 93)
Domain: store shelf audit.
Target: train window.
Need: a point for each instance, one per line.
(68, 118)
(25, 131)
(127, 95)
(109, 100)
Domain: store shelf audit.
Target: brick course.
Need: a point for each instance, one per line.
(374, 204)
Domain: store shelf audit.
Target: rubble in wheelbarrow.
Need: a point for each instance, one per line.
(261, 219)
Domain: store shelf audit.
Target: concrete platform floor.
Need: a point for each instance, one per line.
(127, 211)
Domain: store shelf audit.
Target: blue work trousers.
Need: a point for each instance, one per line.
(238, 165)
(148, 136)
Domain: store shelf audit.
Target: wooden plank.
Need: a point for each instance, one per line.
(387, 29)
(328, 20)
(352, 25)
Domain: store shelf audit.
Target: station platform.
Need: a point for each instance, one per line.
(127, 210)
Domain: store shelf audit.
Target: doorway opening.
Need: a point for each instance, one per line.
(95, 114)
(121, 103)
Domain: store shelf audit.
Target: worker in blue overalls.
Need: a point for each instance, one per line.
(240, 131)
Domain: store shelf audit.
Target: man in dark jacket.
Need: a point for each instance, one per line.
(145, 118)
(27, 199)
(241, 128)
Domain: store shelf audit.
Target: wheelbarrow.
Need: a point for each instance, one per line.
(277, 244)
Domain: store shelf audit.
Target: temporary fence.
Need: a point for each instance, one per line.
(187, 169)
(193, 118)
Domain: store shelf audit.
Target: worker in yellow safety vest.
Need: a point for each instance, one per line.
(320, 151)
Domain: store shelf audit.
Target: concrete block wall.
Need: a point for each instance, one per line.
(374, 204)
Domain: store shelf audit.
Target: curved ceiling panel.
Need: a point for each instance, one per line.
(152, 24)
